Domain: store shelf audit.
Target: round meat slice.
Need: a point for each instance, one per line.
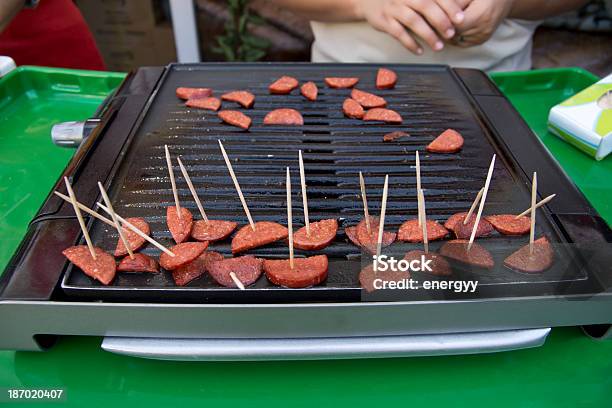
(284, 117)
(337, 82)
(188, 93)
(179, 228)
(246, 268)
(368, 100)
(453, 220)
(352, 109)
(393, 136)
(449, 141)
(183, 254)
(265, 233)
(411, 231)
(351, 234)
(210, 103)
(322, 233)
(538, 261)
(369, 241)
(464, 231)
(438, 265)
(140, 263)
(134, 240)
(283, 85)
(213, 230)
(235, 118)
(306, 272)
(196, 268)
(477, 255)
(385, 78)
(310, 91)
(244, 98)
(382, 115)
(507, 224)
(102, 268)
(368, 277)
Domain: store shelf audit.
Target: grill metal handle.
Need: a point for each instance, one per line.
(325, 348)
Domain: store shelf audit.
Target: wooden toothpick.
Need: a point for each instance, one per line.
(115, 220)
(237, 281)
(364, 198)
(173, 182)
(383, 210)
(77, 211)
(85, 209)
(233, 176)
(473, 207)
(482, 202)
(192, 189)
(538, 205)
(534, 192)
(418, 181)
(424, 221)
(304, 198)
(289, 219)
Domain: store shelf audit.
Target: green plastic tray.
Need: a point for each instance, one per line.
(32, 100)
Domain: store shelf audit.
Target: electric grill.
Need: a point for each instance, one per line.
(42, 295)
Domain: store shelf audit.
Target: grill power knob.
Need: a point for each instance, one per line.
(71, 134)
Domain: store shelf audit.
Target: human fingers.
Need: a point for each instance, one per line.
(453, 9)
(415, 23)
(399, 32)
(434, 15)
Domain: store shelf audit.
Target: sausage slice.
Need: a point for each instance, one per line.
(536, 262)
(337, 82)
(265, 233)
(369, 240)
(235, 118)
(184, 253)
(507, 224)
(352, 109)
(368, 100)
(306, 272)
(438, 265)
(449, 141)
(213, 230)
(393, 136)
(134, 240)
(244, 98)
(351, 234)
(477, 255)
(196, 268)
(310, 91)
(464, 231)
(385, 78)
(284, 117)
(210, 103)
(368, 277)
(140, 263)
(189, 93)
(246, 268)
(411, 231)
(283, 85)
(322, 233)
(179, 228)
(102, 268)
(383, 115)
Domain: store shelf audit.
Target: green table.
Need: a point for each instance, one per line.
(569, 370)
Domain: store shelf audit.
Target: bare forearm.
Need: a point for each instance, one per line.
(8, 10)
(324, 10)
(541, 9)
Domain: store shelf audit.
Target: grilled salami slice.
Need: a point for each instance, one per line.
(382, 115)
(351, 234)
(283, 85)
(438, 265)
(102, 268)
(210, 103)
(134, 240)
(310, 91)
(464, 231)
(235, 118)
(538, 261)
(284, 117)
(411, 231)
(352, 109)
(179, 228)
(246, 268)
(306, 272)
(322, 233)
(369, 241)
(213, 230)
(507, 224)
(477, 255)
(339, 83)
(140, 263)
(367, 276)
(368, 100)
(196, 268)
(385, 78)
(393, 136)
(183, 254)
(449, 141)
(244, 98)
(265, 233)
(189, 93)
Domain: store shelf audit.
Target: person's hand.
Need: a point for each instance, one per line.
(482, 17)
(432, 21)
